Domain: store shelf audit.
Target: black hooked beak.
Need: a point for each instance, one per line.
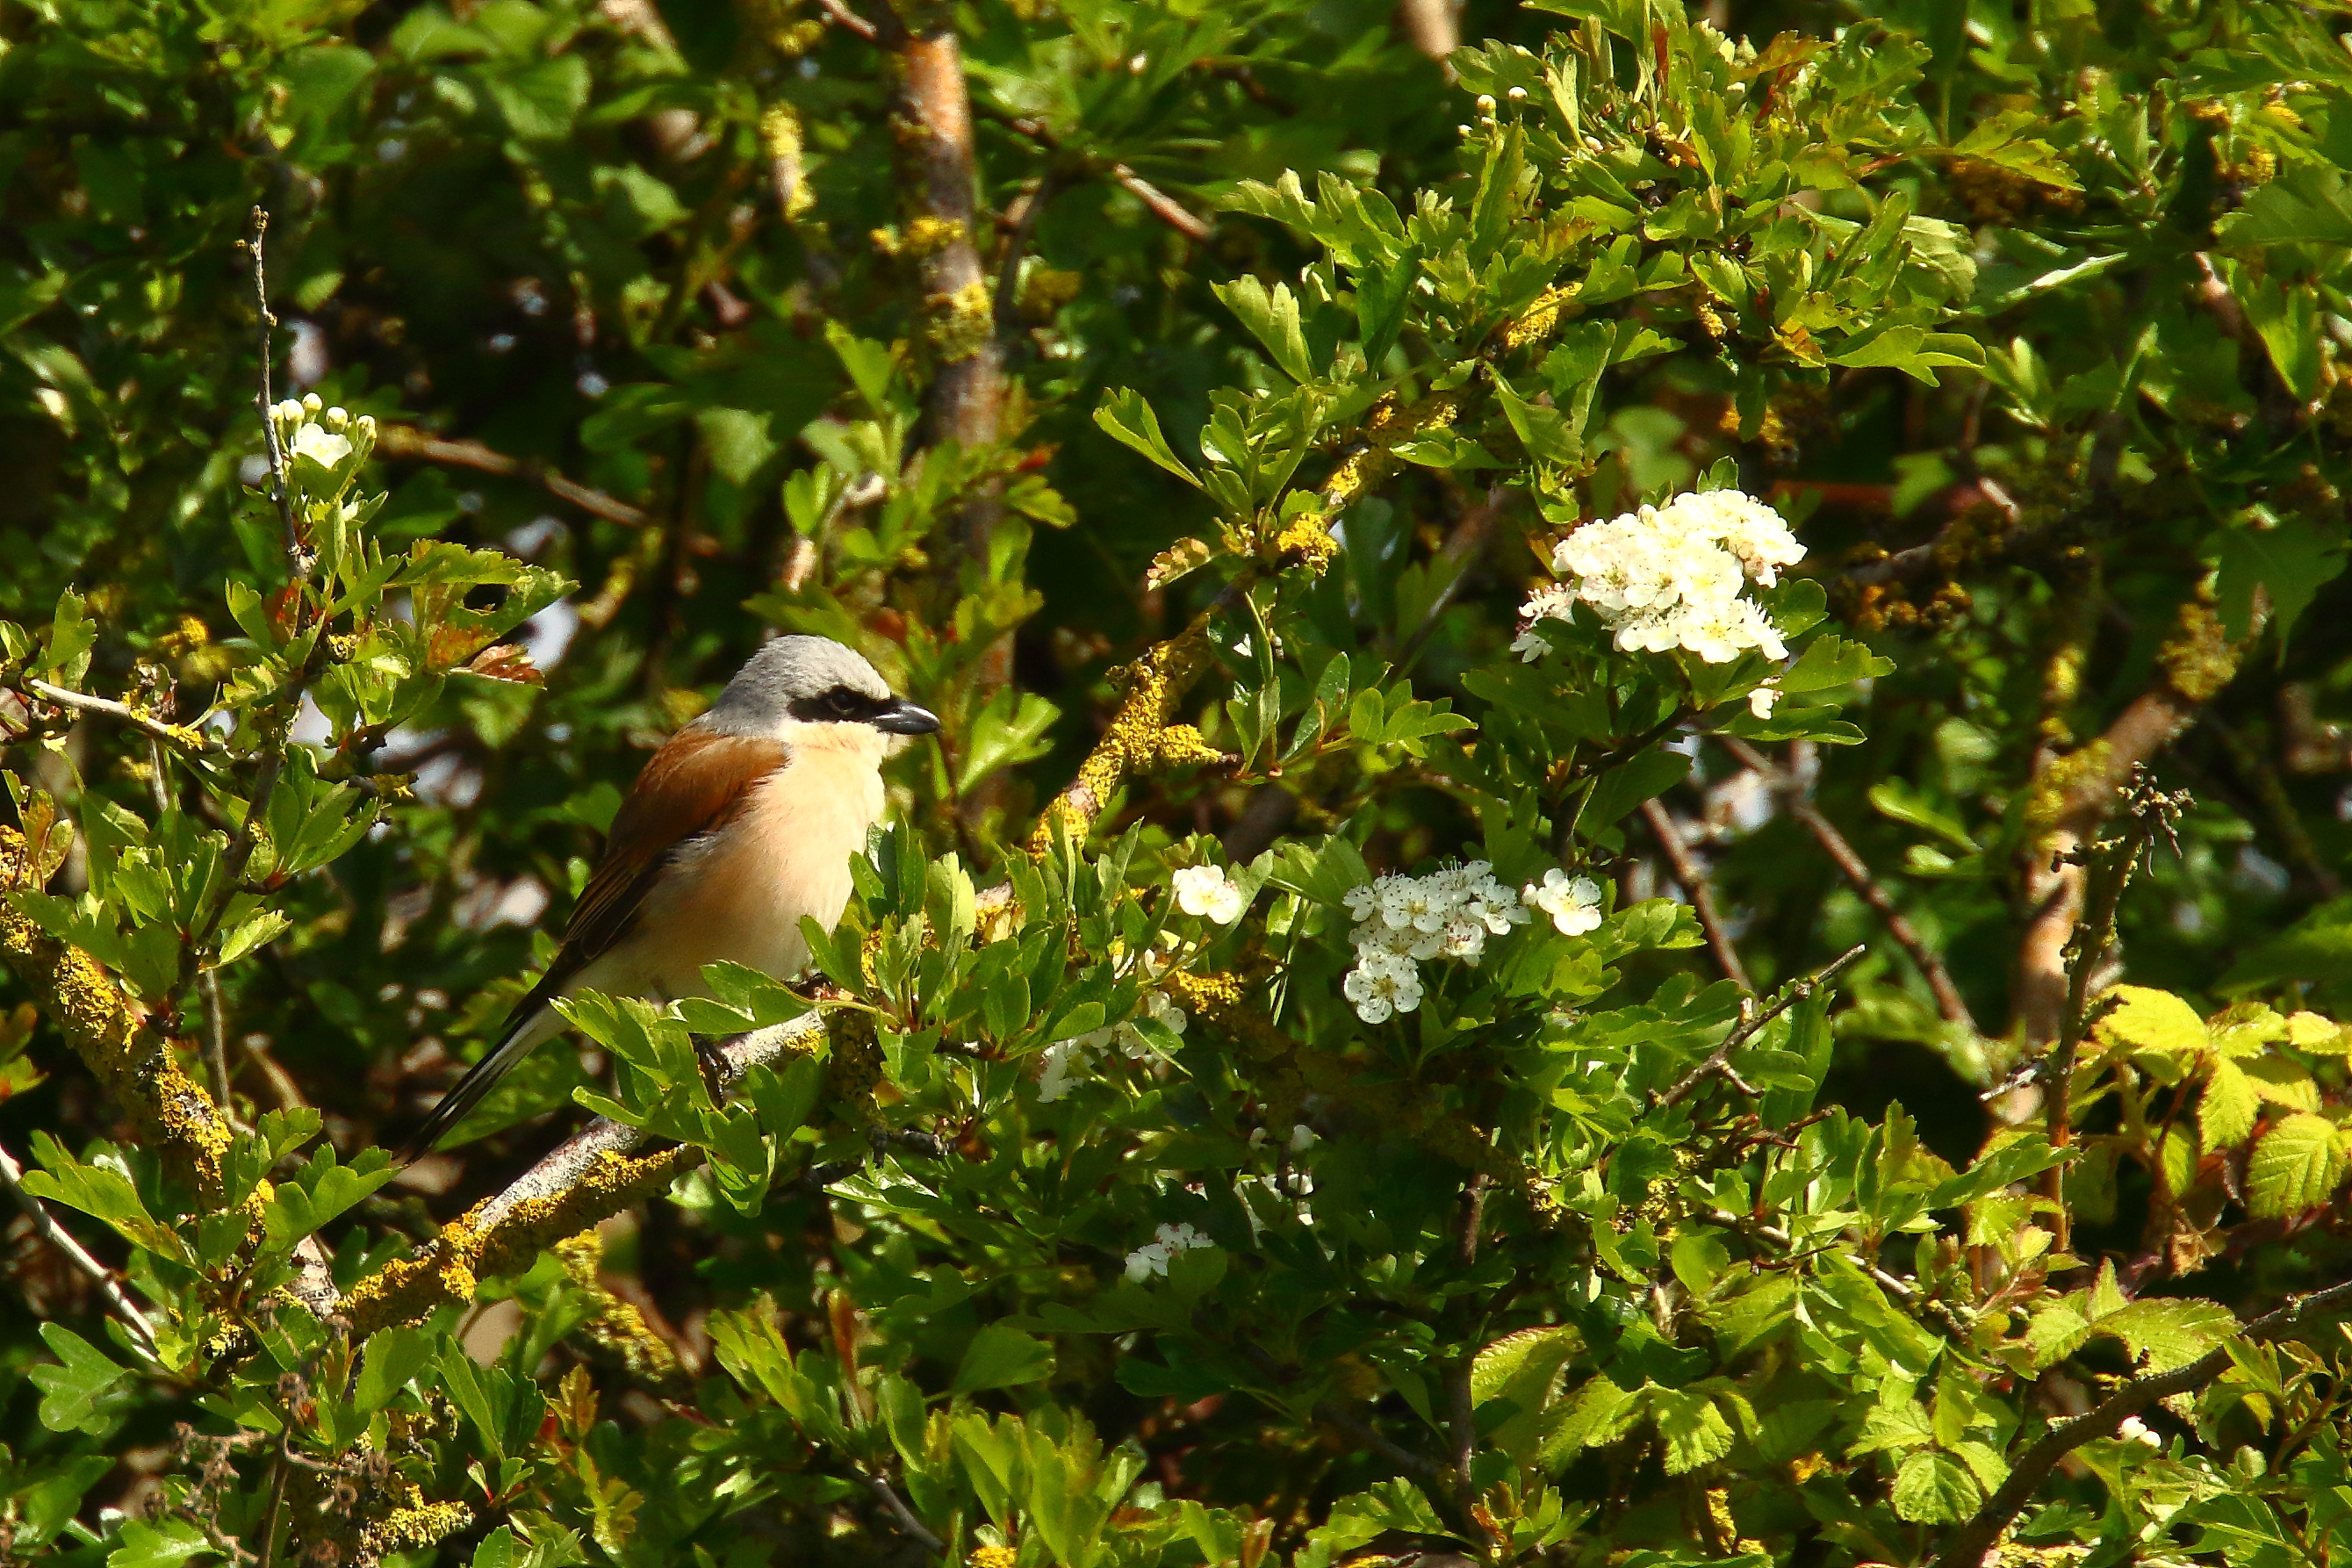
(903, 718)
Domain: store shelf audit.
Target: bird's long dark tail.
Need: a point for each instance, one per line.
(531, 1023)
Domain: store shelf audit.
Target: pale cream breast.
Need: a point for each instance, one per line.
(738, 893)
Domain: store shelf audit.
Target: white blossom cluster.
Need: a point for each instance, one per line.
(1152, 1256)
(1064, 1061)
(307, 428)
(1401, 919)
(1671, 577)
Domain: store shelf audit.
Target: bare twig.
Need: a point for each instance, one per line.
(215, 1038)
(1157, 202)
(1718, 1061)
(841, 16)
(1694, 881)
(280, 495)
(889, 1498)
(46, 1225)
(274, 1522)
(1949, 1001)
(407, 441)
(1972, 1541)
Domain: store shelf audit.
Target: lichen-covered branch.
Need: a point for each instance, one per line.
(2073, 793)
(131, 1060)
(592, 1175)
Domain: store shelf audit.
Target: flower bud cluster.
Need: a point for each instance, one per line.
(324, 447)
(1671, 577)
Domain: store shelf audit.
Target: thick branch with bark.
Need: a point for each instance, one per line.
(408, 442)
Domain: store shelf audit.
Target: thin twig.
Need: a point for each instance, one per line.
(1694, 881)
(1718, 1062)
(1157, 202)
(274, 1521)
(1968, 1546)
(187, 737)
(1460, 1412)
(905, 1516)
(1949, 1001)
(1420, 1467)
(841, 16)
(215, 1038)
(46, 1225)
(406, 441)
(280, 495)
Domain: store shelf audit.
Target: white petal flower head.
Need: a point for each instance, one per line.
(1361, 902)
(1062, 1059)
(1206, 891)
(1573, 903)
(321, 446)
(1765, 697)
(1671, 577)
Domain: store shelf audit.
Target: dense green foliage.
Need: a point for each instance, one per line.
(1155, 1190)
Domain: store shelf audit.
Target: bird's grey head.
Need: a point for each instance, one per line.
(812, 680)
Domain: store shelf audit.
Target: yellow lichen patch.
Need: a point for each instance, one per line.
(1182, 743)
(2198, 658)
(991, 1557)
(853, 1066)
(413, 1529)
(132, 1063)
(617, 1326)
(1535, 323)
(929, 236)
(1308, 538)
(960, 325)
(2067, 778)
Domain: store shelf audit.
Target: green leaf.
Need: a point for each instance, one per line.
(1934, 1489)
(540, 101)
(2226, 1111)
(72, 1388)
(2297, 1167)
(1272, 318)
(158, 1542)
(2169, 1331)
(1830, 662)
(1125, 418)
(1894, 798)
(2309, 203)
(1914, 350)
(2152, 1020)
(319, 1192)
(99, 1191)
(1694, 1430)
(1000, 1357)
(2290, 562)
(495, 1551)
(65, 646)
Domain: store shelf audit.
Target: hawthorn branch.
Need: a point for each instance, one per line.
(187, 737)
(46, 1225)
(408, 442)
(1968, 1546)
(281, 495)
(1695, 880)
(1718, 1061)
(132, 1060)
(591, 1177)
(1949, 1001)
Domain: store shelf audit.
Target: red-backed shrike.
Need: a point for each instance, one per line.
(745, 821)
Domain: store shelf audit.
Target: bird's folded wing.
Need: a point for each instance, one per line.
(695, 782)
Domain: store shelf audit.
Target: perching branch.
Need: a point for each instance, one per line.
(281, 495)
(1695, 880)
(1718, 1061)
(407, 441)
(592, 1175)
(1968, 1546)
(46, 1225)
(1949, 1001)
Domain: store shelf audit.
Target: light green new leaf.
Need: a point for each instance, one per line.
(2169, 1331)
(1272, 317)
(1694, 1430)
(1914, 350)
(1126, 418)
(72, 1388)
(2309, 203)
(2226, 1111)
(2152, 1020)
(2297, 1167)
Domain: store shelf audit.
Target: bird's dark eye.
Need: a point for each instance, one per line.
(843, 704)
